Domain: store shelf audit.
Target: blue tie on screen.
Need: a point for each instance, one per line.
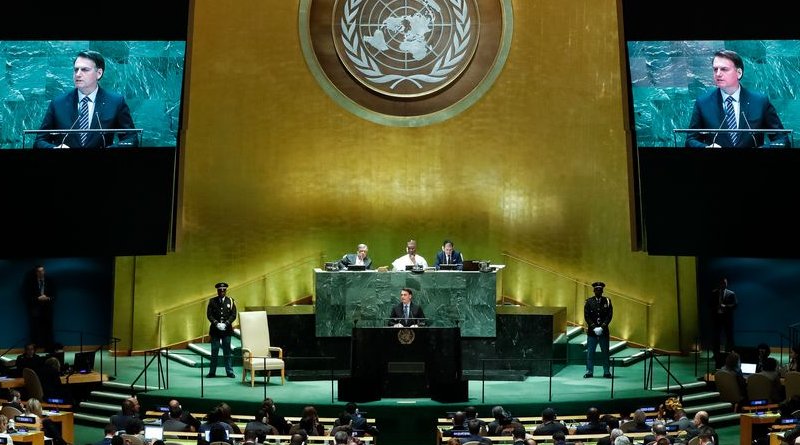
(83, 119)
(405, 310)
(730, 119)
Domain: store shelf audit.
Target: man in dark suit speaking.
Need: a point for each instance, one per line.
(407, 313)
(731, 106)
(87, 106)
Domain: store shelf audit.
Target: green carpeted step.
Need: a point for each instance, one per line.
(90, 419)
(112, 397)
(720, 420)
(712, 408)
(689, 387)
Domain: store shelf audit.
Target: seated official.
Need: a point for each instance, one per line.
(29, 359)
(407, 313)
(359, 258)
(449, 255)
(410, 258)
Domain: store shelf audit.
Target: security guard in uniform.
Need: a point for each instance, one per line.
(221, 312)
(597, 311)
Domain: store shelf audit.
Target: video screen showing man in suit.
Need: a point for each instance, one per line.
(730, 106)
(87, 106)
(407, 313)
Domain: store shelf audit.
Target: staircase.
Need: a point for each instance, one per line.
(702, 396)
(197, 354)
(104, 402)
(576, 349)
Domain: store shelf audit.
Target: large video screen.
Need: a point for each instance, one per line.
(712, 174)
(91, 126)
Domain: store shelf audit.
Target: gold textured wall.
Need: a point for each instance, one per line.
(275, 174)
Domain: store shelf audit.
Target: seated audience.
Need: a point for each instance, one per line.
(110, 432)
(549, 424)
(4, 430)
(638, 424)
(275, 419)
(129, 409)
(185, 416)
(593, 424)
(260, 425)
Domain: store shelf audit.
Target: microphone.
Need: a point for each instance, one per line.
(755, 144)
(716, 133)
(72, 127)
(99, 125)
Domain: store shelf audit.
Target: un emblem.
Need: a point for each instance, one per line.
(405, 48)
(406, 336)
(405, 62)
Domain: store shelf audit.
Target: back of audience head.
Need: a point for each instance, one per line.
(341, 437)
(615, 432)
(34, 407)
(732, 360)
(471, 412)
(217, 433)
(559, 437)
(459, 419)
(701, 418)
(593, 414)
(134, 426)
(117, 440)
(298, 438)
(610, 421)
(474, 426)
(109, 429)
(770, 364)
(639, 417)
(622, 440)
(250, 435)
(548, 414)
(498, 412)
(351, 407)
(659, 429)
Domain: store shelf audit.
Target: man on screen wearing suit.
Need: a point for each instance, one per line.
(731, 106)
(87, 106)
(449, 255)
(407, 313)
(356, 259)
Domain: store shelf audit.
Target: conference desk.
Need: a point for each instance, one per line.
(71, 379)
(32, 438)
(748, 421)
(345, 299)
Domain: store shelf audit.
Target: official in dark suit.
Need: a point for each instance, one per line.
(356, 259)
(40, 295)
(407, 313)
(221, 312)
(725, 303)
(104, 110)
(748, 110)
(449, 255)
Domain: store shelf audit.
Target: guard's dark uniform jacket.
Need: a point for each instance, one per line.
(597, 311)
(221, 310)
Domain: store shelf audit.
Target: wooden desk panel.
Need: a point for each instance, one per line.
(32, 438)
(72, 379)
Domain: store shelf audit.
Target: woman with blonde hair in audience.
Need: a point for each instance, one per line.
(4, 430)
(34, 408)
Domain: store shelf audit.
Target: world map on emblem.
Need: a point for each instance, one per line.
(406, 48)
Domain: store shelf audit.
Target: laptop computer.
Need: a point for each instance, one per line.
(748, 368)
(84, 362)
(471, 266)
(153, 432)
(449, 266)
(357, 267)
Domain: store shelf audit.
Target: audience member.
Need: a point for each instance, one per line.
(733, 366)
(29, 359)
(593, 424)
(472, 413)
(638, 424)
(50, 378)
(15, 400)
(474, 428)
(501, 418)
(33, 407)
(792, 364)
(549, 424)
(260, 424)
(459, 424)
(110, 431)
(173, 422)
(275, 419)
(185, 416)
(129, 410)
(770, 371)
(519, 435)
(225, 416)
(309, 422)
(4, 430)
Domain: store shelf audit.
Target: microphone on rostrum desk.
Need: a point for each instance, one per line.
(755, 143)
(67, 134)
(716, 133)
(99, 125)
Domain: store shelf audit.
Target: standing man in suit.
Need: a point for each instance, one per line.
(407, 313)
(359, 258)
(221, 312)
(725, 303)
(449, 255)
(40, 294)
(731, 106)
(87, 106)
(597, 312)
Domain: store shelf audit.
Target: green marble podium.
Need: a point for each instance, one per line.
(364, 299)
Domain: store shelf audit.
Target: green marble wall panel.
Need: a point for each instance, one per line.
(148, 73)
(666, 77)
(447, 298)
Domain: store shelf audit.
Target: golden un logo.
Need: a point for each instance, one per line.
(406, 336)
(405, 62)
